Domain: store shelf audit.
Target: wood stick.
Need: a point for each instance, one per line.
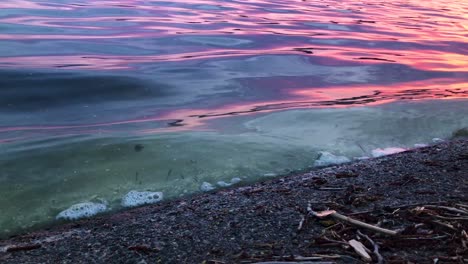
(451, 209)
(380, 259)
(462, 205)
(301, 223)
(363, 225)
(316, 256)
(295, 262)
(350, 220)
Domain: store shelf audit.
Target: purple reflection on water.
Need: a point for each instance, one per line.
(205, 59)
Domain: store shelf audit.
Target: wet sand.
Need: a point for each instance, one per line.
(421, 194)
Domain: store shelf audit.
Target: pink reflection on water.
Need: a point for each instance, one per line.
(424, 35)
(421, 59)
(28, 4)
(334, 97)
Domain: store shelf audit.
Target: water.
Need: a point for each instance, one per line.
(101, 97)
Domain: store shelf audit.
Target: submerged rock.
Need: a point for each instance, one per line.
(135, 198)
(82, 210)
(460, 133)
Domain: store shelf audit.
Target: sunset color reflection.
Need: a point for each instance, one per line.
(395, 51)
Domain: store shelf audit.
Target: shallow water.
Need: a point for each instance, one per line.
(101, 97)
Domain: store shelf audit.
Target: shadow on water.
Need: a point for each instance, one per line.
(29, 91)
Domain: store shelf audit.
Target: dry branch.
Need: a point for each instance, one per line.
(350, 220)
(376, 252)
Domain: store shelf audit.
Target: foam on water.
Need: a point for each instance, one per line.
(227, 184)
(326, 158)
(206, 187)
(136, 198)
(82, 210)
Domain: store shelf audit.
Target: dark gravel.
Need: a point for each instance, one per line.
(260, 222)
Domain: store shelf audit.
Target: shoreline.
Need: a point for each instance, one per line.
(269, 220)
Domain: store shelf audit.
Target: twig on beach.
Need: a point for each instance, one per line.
(462, 205)
(380, 259)
(301, 223)
(295, 262)
(25, 247)
(449, 226)
(317, 257)
(451, 209)
(337, 242)
(451, 218)
(330, 189)
(350, 220)
(360, 249)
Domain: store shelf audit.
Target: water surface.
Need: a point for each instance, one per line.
(101, 97)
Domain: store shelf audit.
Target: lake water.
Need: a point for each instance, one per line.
(102, 97)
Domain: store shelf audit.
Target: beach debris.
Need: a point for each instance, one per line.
(22, 247)
(301, 223)
(206, 187)
(451, 209)
(380, 259)
(360, 249)
(143, 248)
(312, 260)
(334, 214)
(82, 210)
(326, 158)
(294, 262)
(136, 198)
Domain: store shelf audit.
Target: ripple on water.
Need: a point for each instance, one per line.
(216, 41)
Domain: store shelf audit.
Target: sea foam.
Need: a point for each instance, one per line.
(326, 158)
(227, 184)
(136, 198)
(206, 187)
(82, 210)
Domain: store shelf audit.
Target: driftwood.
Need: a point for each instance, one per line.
(295, 262)
(350, 220)
(451, 209)
(360, 249)
(376, 252)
